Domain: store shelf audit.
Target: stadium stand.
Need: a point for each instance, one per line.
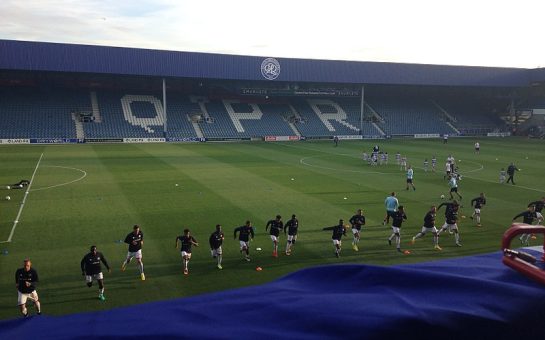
(409, 115)
(39, 112)
(468, 115)
(62, 113)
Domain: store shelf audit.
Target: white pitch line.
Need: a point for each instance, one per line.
(23, 202)
(62, 184)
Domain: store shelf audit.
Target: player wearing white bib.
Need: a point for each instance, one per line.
(477, 148)
(135, 240)
(429, 225)
(453, 183)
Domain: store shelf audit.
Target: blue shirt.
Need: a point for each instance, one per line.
(391, 203)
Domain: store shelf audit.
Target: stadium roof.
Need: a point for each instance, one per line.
(59, 57)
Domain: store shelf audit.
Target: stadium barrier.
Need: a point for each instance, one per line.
(15, 141)
(281, 138)
(144, 140)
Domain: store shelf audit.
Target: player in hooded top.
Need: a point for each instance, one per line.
(216, 241)
(429, 225)
(186, 241)
(478, 203)
(92, 270)
(276, 225)
(339, 231)
(357, 221)
(245, 233)
(291, 228)
(397, 220)
(135, 240)
(25, 281)
(451, 220)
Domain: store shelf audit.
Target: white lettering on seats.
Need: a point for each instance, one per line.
(145, 123)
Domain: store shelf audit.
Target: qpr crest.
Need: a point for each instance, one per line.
(270, 68)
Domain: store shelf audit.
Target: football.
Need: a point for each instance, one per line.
(442, 197)
(8, 187)
(8, 198)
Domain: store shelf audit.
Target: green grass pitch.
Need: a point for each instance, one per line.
(93, 194)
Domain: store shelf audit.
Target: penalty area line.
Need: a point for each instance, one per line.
(27, 191)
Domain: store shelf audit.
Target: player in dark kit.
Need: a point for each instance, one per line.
(92, 270)
(25, 281)
(291, 228)
(186, 241)
(135, 240)
(338, 231)
(276, 225)
(397, 220)
(511, 172)
(245, 232)
(478, 203)
(429, 225)
(357, 221)
(528, 217)
(216, 240)
(538, 205)
(19, 185)
(451, 220)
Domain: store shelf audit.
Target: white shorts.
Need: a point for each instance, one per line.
(90, 278)
(292, 237)
(396, 230)
(22, 297)
(186, 254)
(355, 231)
(137, 254)
(450, 227)
(477, 211)
(337, 242)
(216, 252)
(432, 229)
(274, 238)
(244, 245)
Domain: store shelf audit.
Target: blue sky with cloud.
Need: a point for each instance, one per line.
(484, 33)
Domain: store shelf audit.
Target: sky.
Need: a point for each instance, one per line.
(463, 32)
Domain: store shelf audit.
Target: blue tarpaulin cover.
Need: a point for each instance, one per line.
(474, 297)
